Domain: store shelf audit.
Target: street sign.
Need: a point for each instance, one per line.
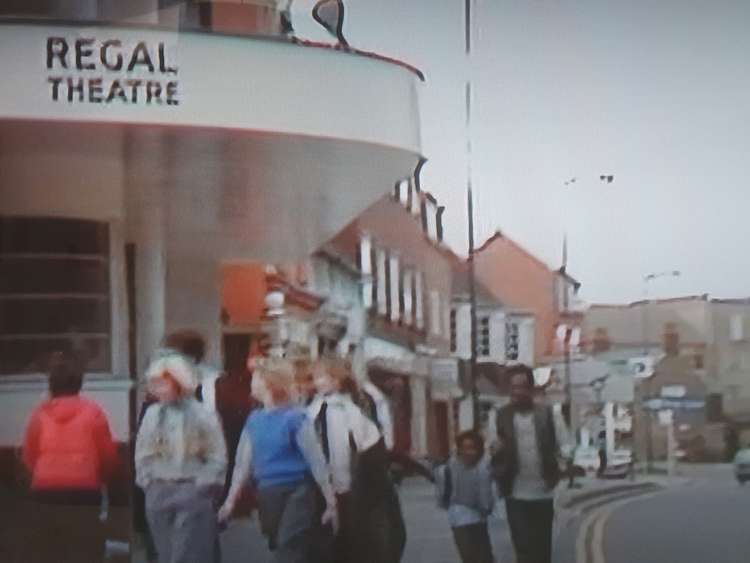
(660, 403)
(673, 391)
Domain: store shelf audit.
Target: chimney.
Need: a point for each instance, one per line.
(671, 340)
(600, 342)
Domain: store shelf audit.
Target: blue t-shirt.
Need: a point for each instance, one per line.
(277, 459)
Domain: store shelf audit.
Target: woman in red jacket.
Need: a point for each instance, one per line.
(68, 450)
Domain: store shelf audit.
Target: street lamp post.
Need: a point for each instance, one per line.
(644, 333)
(473, 373)
(569, 397)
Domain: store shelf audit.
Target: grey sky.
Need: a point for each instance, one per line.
(657, 93)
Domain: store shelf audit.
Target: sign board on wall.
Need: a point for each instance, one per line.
(107, 69)
(656, 404)
(130, 75)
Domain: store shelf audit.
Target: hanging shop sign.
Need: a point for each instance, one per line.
(91, 70)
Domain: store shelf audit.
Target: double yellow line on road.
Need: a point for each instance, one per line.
(590, 540)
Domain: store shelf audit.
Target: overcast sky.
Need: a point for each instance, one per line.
(655, 92)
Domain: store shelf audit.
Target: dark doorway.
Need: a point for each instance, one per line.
(440, 408)
(396, 388)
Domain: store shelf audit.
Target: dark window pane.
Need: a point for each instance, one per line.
(54, 292)
(32, 355)
(53, 236)
(49, 316)
(53, 275)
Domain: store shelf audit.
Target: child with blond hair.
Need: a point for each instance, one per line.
(280, 451)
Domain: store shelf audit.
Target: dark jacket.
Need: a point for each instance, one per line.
(505, 460)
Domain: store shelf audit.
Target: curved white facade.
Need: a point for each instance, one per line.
(219, 81)
(193, 150)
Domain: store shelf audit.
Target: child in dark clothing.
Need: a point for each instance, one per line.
(464, 487)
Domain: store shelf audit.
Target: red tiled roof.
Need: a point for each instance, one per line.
(500, 235)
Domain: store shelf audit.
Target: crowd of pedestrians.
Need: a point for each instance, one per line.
(313, 445)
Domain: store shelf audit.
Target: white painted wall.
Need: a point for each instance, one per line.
(497, 336)
(45, 176)
(463, 330)
(19, 397)
(526, 341)
(465, 414)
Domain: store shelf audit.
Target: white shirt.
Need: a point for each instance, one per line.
(383, 411)
(344, 419)
(207, 376)
(529, 483)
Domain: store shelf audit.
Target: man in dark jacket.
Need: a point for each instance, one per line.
(526, 468)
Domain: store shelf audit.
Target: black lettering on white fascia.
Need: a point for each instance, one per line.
(111, 55)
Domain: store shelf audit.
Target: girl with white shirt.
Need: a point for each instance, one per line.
(357, 456)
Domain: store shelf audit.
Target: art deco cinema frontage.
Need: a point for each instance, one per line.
(136, 162)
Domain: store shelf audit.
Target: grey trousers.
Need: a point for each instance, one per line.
(287, 515)
(182, 518)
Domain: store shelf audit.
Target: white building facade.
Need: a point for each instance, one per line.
(138, 159)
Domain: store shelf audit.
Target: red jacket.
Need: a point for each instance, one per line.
(68, 445)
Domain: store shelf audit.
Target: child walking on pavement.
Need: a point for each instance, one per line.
(279, 449)
(464, 487)
(371, 525)
(180, 462)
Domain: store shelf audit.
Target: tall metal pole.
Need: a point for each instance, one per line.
(566, 341)
(473, 372)
(646, 414)
(473, 314)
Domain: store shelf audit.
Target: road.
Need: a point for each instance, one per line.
(703, 521)
(429, 536)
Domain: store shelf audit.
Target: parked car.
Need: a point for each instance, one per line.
(742, 465)
(621, 457)
(618, 463)
(586, 458)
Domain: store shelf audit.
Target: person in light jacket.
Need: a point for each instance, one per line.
(180, 463)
